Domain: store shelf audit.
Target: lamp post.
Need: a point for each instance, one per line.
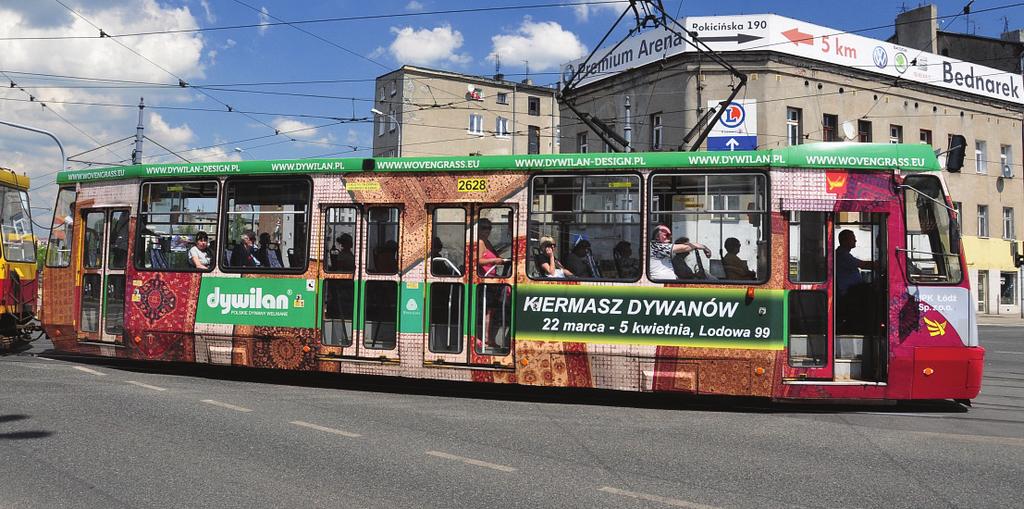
(63, 160)
(391, 116)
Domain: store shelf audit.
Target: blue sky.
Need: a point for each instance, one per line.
(353, 50)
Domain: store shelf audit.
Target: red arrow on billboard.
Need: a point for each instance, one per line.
(797, 37)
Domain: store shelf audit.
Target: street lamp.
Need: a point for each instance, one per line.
(63, 160)
(391, 116)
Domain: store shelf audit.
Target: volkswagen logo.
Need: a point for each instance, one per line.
(880, 57)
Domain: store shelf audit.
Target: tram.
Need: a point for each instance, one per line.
(822, 271)
(18, 269)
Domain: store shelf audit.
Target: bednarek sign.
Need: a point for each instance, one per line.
(276, 302)
(768, 32)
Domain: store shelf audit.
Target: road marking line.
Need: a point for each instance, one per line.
(1007, 351)
(1019, 442)
(655, 498)
(140, 384)
(226, 405)
(90, 371)
(904, 414)
(325, 429)
(470, 461)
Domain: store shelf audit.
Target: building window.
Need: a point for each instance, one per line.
(958, 206)
(276, 212)
(864, 131)
(581, 142)
(1008, 227)
(593, 223)
(724, 212)
(393, 88)
(656, 132)
(895, 133)
(926, 137)
(533, 140)
(1008, 288)
(171, 215)
(476, 123)
(829, 127)
(381, 128)
(391, 120)
(502, 98)
(983, 220)
(501, 127)
(1006, 160)
(980, 160)
(794, 126)
(533, 106)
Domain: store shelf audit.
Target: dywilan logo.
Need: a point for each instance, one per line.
(880, 57)
(253, 300)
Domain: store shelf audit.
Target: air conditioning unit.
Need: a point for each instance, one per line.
(1007, 171)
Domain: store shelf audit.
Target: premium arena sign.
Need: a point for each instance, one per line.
(702, 317)
(769, 32)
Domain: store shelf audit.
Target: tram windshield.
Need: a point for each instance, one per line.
(933, 240)
(16, 225)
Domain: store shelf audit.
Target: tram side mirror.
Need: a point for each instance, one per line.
(1015, 255)
(955, 152)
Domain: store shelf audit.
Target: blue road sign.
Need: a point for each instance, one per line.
(730, 143)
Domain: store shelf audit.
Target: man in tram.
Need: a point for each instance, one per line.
(850, 286)
(244, 254)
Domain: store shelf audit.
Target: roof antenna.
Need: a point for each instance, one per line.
(526, 78)
(497, 67)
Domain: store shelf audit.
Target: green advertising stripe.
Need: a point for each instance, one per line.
(270, 302)
(855, 156)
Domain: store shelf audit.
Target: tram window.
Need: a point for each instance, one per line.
(808, 328)
(339, 299)
(117, 240)
(171, 214)
(494, 242)
(594, 223)
(94, 222)
(446, 317)
(381, 312)
(382, 240)
(58, 249)
(267, 225)
(339, 239)
(16, 226)
(493, 319)
(448, 242)
(113, 308)
(92, 296)
(933, 238)
(808, 250)
(721, 218)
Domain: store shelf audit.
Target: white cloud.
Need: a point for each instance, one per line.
(414, 6)
(428, 46)
(171, 137)
(210, 18)
(294, 128)
(378, 52)
(587, 7)
(545, 44)
(264, 20)
(182, 54)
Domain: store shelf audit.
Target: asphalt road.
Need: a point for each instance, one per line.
(104, 435)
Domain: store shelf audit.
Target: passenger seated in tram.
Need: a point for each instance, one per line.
(198, 256)
(546, 263)
(346, 259)
(267, 255)
(734, 266)
(662, 265)
(244, 253)
(386, 259)
(627, 266)
(579, 261)
(440, 265)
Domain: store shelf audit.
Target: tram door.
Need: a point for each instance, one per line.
(103, 260)
(342, 258)
(378, 295)
(838, 303)
(470, 273)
